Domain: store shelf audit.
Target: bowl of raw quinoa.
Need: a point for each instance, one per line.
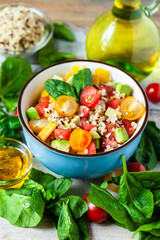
(79, 117)
(24, 30)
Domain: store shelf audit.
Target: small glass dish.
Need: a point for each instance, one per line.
(48, 33)
(15, 163)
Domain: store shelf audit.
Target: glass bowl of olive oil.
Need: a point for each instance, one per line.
(15, 163)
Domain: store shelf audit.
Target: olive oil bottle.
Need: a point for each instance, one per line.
(126, 37)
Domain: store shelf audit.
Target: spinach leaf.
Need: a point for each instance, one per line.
(137, 200)
(147, 236)
(152, 227)
(2, 113)
(62, 32)
(22, 210)
(82, 80)
(153, 133)
(10, 101)
(76, 204)
(145, 153)
(156, 194)
(83, 229)
(8, 127)
(103, 199)
(67, 228)
(57, 88)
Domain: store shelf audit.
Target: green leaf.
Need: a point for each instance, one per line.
(57, 88)
(76, 204)
(83, 229)
(137, 200)
(2, 113)
(147, 236)
(67, 228)
(103, 199)
(82, 80)
(145, 153)
(10, 102)
(104, 185)
(8, 125)
(62, 32)
(15, 72)
(152, 227)
(156, 194)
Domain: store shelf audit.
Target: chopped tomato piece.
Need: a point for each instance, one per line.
(102, 88)
(92, 148)
(111, 143)
(128, 126)
(109, 90)
(63, 134)
(80, 139)
(16, 113)
(109, 127)
(87, 126)
(83, 111)
(113, 103)
(44, 101)
(89, 96)
(40, 109)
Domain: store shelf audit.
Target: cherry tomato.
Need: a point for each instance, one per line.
(89, 96)
(87, 126)
(111, 143)
(112, 186)
(66, 106)
(92, 148)
(83, 111)
(136, 167)
(44, 101)
(153, 92)
(127, 124)
(38, 124)
(94, 213)
(63, 134)
(109, 90)
(40, 109)
(131, 108)
(16, 113)
(113, 103)
(80, 139)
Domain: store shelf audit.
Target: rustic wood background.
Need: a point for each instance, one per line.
(79, 12)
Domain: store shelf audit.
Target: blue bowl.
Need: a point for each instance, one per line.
(76, 165)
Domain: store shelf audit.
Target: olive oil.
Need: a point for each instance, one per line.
(125, 37)
(13, 163)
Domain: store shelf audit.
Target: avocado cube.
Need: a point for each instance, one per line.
(62, 145)
(94, 134)
(121, 135)
(98, 143)
(67, 125)
(115, 85)
(32, 113)
(124, 89)
(76, 119)
(112, 112)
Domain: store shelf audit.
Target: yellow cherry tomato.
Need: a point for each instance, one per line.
(80, 139)
(131, 108)
(66, 106)
(111, 186)
(37, 125)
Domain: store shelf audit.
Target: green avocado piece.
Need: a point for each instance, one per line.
(67, 125)
(121, 135)
(76, 119)
(62, 145)
(94, 134)
(123, 89)
(98, 143)
(32, 113)
(112, 112)
(115, 85)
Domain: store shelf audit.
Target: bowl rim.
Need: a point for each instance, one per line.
(38, 45)
(74, 154)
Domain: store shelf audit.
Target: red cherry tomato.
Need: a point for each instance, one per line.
(113, 103)
(44, 101)
(83, 111)
(16, 113)
(127, 124)
(136, 167)
(111, 143)
(89, 96)
(153, 92)
(92, 148)
(109, 90)
(63, 134)
(40, 109)
(87, 126)
(94, 213)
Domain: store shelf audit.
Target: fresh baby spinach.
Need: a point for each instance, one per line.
(136, 199)
(151, 227)
(57, 88)
(147, 236)
(62, 32)
(83, 229)
(82, 80)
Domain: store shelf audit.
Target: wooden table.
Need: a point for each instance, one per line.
(81, 14)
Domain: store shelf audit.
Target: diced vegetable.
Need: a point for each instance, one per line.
(32, 113)
(112, 112)
(94, 134)
(61, 145)
(46, 131)
(121, 135)
(38, 125)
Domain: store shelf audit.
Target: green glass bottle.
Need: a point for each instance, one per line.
(126, 37)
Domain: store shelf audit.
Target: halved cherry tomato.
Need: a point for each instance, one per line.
(111, 143)
(80, 139)
(89, 96)
(66, 106)
(63, 134)
(153, 92)
(87, 126)
(16, 113)
(92, 148)
(113, 103)
(44, 101)
(38, 124)
(131, 108)
(112, 186)
(109, 90)
(94, 213)
(83, 111)
(136, 167)
(40, 109)
(128, 126)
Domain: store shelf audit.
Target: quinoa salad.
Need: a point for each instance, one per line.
(85, 112)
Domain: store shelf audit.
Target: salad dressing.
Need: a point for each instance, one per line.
(13, 163)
